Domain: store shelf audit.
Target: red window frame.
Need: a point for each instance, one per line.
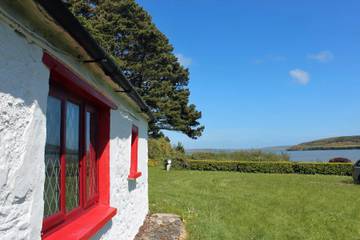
(65, 97)
(67, 86)
(134, 174)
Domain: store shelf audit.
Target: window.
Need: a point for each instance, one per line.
(76, 189)
(71, 179)
(91, 165)
(134, 154)
(52, 157)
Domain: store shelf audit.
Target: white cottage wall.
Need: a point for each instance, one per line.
(23, 96)
(24, 86)
(130, 197)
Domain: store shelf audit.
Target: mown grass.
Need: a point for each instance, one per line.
(231, 205)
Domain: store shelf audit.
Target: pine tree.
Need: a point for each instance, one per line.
(180, 148)
(126, 31)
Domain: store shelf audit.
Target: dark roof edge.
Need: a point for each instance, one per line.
(57, 10)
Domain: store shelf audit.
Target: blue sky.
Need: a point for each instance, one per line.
(266, 73)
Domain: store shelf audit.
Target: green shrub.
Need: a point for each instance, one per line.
(153, 163)
(160, 149)
(271, 167)
(340, 160)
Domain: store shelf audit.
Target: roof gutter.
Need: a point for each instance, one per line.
(57, 10)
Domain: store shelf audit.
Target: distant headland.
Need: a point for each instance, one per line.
(335, 143)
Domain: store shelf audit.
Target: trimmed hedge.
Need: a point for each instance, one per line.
(344, 169)
(243, 155)
(178, 163)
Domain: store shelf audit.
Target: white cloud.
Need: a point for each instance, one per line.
(323, 56)
(184, 61)
(300, 76)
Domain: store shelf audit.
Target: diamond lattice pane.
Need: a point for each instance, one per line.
(72, 156)
(91, 165)
(52, 157)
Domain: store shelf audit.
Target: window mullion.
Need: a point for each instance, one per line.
(93, 163)
(94, 147)
(82, 164)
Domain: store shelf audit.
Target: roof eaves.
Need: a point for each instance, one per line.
(57, 10)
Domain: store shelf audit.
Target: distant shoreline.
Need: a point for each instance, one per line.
(323, 148)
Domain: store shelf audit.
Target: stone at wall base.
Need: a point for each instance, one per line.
(162, 226)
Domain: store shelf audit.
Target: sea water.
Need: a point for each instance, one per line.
(319, 155)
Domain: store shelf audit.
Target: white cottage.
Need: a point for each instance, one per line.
(73, 131)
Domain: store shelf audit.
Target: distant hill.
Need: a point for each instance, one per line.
(336, 143)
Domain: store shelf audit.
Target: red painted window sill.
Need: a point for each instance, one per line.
(85, 226)
(134, 176)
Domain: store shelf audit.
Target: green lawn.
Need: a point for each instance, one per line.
(231, 205)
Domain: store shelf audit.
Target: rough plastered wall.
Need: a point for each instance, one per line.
(129, 197)
(23, 96)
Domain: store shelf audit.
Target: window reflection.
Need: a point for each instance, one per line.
(72, 155)
(91, 167)
(52, 157)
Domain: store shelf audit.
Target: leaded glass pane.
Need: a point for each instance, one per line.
(91, 168)
(72, 155)
(52, 157)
